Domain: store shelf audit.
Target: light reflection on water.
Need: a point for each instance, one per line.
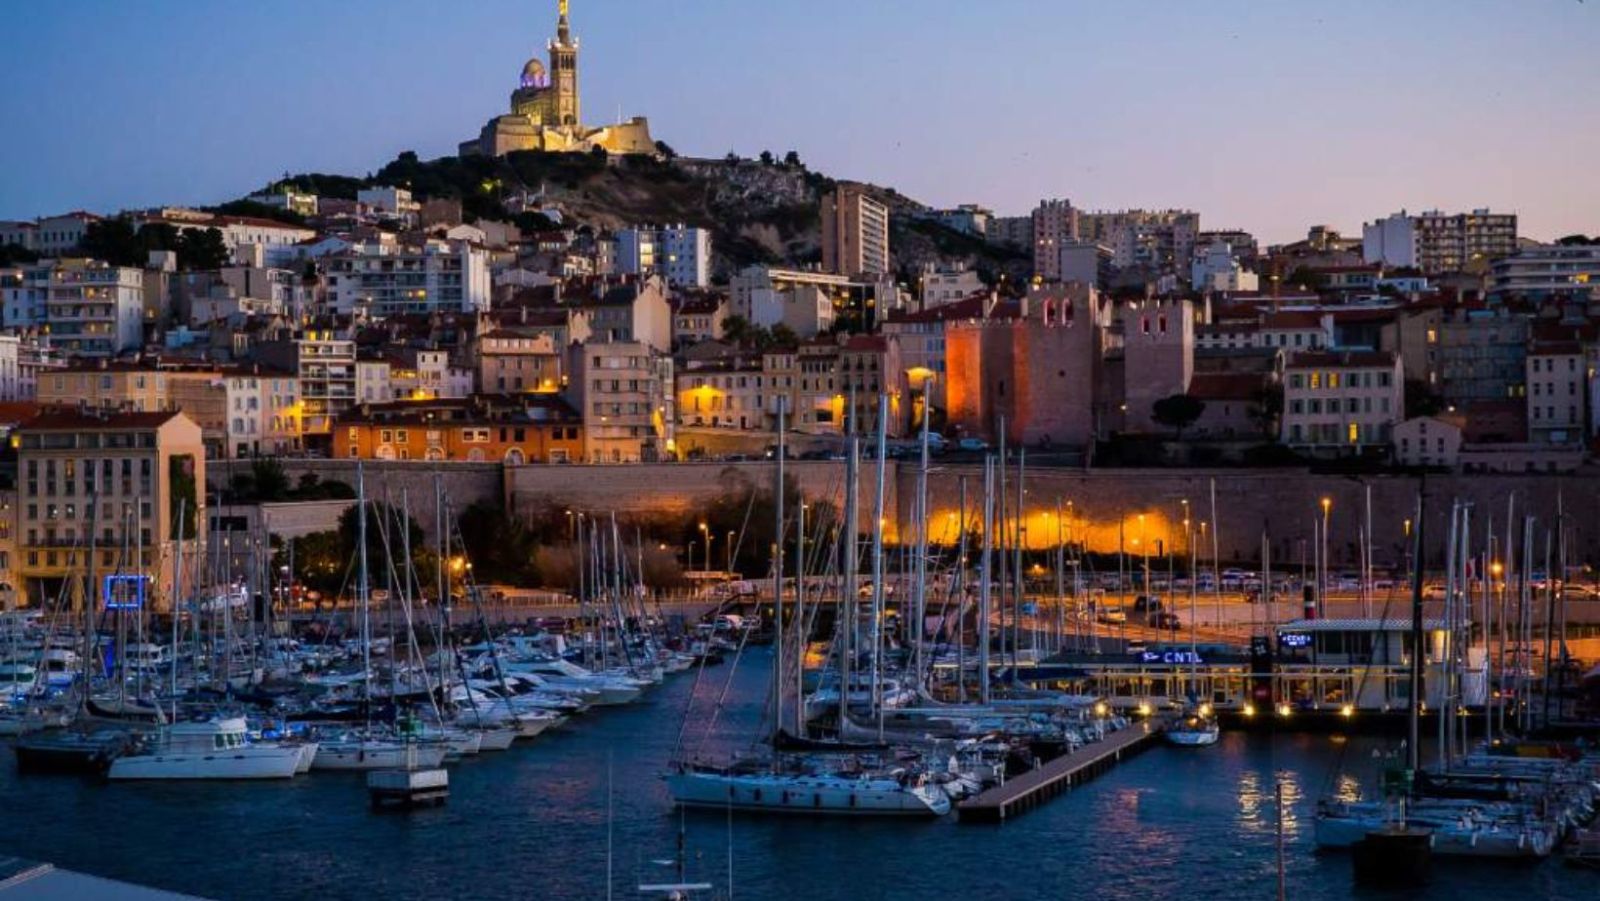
(531, 823)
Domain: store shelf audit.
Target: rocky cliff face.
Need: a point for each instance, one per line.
(758, 212)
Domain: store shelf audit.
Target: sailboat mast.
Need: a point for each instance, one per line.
(852, 565)
(1414, 715)
(777, 583)
(878, 525)
(1019, 595)
(985, 580)
(919, 601)
(799, 620)
(89, 649)
(958, 589)
(177, 597)
(361, 592)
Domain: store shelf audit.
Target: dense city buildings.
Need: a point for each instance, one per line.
(1437, 242)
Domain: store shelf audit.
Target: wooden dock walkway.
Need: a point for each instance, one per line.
(1068, 771)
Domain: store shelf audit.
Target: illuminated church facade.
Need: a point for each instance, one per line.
(546, 113)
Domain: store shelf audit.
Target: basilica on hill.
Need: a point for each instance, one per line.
(546, 114)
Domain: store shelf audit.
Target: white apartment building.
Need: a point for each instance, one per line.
(35, 357)
(390, 202)
(95, 310)
(942, 284)
(10, 368)
(1548, 271)
(23, 293)
(326, 368)
(387, 280)
(262, 415)
(805, 301)
(416, 374)
(1557, 381)
(287, 199)
(372, 381)
(679, 253)
(1440, 242)
(1217, 269)
(1340, 403)
(59, 235)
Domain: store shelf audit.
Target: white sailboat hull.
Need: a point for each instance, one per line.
(1192, 738)
(1449, 838)
(496, 739)
(827, 795)
(253, 762)
(376, 756)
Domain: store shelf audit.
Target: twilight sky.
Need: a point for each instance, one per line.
(1262, 115)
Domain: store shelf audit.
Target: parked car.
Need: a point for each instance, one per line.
(972, 445)
(1113, 616)
(1147, 603)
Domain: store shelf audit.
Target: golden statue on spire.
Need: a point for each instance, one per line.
(562, 6)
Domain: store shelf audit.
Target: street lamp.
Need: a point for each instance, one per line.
(1322, 573)
(706, 531)
(730, 553)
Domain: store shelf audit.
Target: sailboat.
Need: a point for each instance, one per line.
(1198, 726)
(797, 784)
(364, 749)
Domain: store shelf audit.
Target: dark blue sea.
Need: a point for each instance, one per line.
(533, 823)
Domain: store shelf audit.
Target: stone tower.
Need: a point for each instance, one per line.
(1158, 357)
(564, 71)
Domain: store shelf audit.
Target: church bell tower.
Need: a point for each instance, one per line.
(564, 71)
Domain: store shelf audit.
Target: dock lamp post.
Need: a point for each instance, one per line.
(706, 531)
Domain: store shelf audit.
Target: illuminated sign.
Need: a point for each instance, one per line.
(1184, 658)
(1294, 640)
(123, 592)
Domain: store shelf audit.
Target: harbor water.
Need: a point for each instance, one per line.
(550, 817)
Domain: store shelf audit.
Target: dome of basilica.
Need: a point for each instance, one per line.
(534, 76)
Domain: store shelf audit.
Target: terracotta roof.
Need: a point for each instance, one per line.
(966, 308)
(53, 418)
(866, 344)
(1316, 359)
(1225, 385)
